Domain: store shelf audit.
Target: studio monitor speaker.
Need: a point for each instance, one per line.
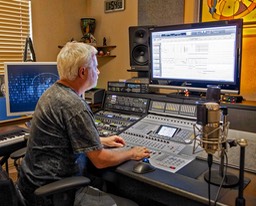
(139, 47)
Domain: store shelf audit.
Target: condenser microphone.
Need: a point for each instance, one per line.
(208, 116)
(210, 131)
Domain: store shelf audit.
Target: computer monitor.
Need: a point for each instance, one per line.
(193, 56)
(25, 82)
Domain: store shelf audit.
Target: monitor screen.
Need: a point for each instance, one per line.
(193, 56)
(25, 82)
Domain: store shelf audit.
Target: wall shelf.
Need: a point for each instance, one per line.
(105, 51)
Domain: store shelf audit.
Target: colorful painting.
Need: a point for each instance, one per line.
(228, 9)
(215, 10)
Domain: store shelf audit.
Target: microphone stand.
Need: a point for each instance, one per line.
(217, 176)
(230, 180)
(240, 201)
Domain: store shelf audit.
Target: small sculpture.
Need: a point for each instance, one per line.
(104, 41)
(88, 26)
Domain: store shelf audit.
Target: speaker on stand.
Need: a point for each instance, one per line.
(139, 49)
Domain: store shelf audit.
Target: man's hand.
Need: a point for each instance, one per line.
(140, 153)
(112, 141)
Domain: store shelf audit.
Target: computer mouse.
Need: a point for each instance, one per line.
(143, 167)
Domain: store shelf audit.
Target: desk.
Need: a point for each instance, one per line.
(164, 188)
(16, 121)
(187, 186)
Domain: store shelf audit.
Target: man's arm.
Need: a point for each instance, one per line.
(107, 158)
(112, 141)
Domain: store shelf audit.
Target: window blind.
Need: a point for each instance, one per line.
(14, 29)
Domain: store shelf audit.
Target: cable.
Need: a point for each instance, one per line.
(222, 181)
(209, 160)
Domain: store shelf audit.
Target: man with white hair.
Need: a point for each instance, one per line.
(63, 135)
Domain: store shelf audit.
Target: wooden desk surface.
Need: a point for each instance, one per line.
(17, 121)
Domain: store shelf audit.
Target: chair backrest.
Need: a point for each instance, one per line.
(8, 193)
(61, 192)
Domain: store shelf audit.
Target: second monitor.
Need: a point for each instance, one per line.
(25, 82)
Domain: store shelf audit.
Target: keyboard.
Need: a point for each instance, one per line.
(12, 135)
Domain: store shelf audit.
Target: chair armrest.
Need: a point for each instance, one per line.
(62, 185)
(18, 153)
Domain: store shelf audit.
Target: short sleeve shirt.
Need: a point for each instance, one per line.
(62, 129)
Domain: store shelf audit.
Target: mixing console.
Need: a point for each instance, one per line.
(164, 131)
(169, 139)
(116, 116)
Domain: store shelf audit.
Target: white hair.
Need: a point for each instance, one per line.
(73, 56)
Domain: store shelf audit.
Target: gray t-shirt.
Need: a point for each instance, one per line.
(63, 129)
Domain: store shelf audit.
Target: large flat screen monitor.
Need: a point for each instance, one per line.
(193, 56)
(25, 82)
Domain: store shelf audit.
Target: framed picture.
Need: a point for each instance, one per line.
(213, 10)
(113, 5)
(2, 87)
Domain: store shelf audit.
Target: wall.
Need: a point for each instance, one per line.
(57, 21)
(114, 26)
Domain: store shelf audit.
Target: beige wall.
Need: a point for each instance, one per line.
(191, 11)
(57, 21)
(114, 26)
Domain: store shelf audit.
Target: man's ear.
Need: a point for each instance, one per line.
(82, 71)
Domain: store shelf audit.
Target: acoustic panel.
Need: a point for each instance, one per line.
(160, 12)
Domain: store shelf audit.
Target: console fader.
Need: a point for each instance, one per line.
(119, 113)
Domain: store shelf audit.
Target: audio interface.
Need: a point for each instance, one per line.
(128, 87)
(232, 98)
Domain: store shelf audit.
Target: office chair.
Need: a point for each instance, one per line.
(61, 192)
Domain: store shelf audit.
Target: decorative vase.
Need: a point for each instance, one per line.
(88, 27)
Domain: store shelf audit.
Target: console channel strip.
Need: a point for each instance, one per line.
(111, 123)
(119, 113)
(169, 139)
(126, 104)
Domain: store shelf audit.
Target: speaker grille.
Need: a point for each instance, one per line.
(140, 55)
(141, 36)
